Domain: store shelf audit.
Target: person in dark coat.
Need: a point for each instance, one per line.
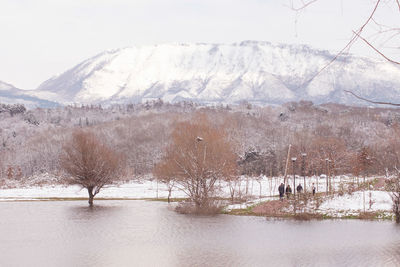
(288, 191)
(313, 189)
(281, 190)
(299, 189)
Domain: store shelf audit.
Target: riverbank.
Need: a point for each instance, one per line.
(358, 205)
(254, 196)
(377, 206)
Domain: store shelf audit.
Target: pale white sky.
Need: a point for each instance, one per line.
(41, 38)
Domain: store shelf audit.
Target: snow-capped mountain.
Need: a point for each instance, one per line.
(258, 72)
(11, 95)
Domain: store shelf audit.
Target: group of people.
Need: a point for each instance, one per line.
(288, 190)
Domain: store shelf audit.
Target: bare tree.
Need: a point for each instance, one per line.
(330, 154)
(163, 172)
(393, 186)
(234, 187)
(200, 154)
(89, 162)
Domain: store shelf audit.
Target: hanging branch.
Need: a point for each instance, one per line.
(373, 102)
(375, 49)
(304, 5)
(349, 44)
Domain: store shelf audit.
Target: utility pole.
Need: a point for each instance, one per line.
(303, 169)
(327, 174)
(294, 177)
(157, 187)
(286, 167)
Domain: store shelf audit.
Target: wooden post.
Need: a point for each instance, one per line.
(286, 167)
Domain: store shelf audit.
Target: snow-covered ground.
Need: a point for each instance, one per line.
(254, 190)
(46, 186)
(337, 206)
(352, 204)
(131, 190)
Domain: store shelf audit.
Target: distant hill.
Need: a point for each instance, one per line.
(11, 95)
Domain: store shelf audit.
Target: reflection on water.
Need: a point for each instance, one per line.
(140, 233)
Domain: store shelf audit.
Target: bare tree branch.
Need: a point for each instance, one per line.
(373, 102)
(349, 44)
(376, 50)
(303, 6)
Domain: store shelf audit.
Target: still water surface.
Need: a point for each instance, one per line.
(141, 233)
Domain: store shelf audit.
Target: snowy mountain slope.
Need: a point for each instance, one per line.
(11, 95)
(258, 72)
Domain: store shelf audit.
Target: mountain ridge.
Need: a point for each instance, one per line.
(253, 71)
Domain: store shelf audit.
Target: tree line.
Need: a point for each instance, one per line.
(32, 140)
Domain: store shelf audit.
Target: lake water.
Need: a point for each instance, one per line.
(142, 233)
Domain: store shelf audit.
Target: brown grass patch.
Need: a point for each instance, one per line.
(186, 207)
(271, 208)
(367, 215)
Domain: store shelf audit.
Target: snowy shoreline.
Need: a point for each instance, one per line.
(255, 191)
(131, 190)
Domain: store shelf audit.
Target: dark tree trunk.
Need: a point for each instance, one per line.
(169, 195)
(198, 204)
(91, 196)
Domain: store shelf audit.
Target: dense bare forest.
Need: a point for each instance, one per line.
(335, 138)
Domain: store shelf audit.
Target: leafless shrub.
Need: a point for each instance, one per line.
(393, 186)
(342, 189)
(351, 189)
(318, 201)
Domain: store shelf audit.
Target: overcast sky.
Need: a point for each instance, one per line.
(41, 38)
